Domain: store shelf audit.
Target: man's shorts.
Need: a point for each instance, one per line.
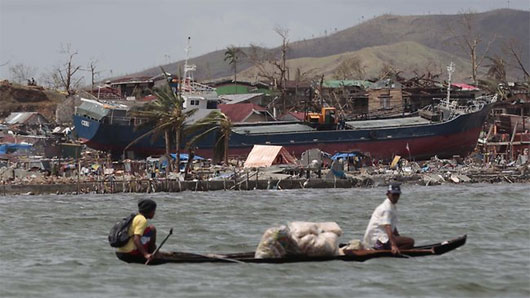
(382, 246)
(135, 256)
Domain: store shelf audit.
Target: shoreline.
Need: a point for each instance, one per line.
(172, 185)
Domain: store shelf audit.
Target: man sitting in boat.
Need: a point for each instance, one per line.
(142, 243)
(382, 232)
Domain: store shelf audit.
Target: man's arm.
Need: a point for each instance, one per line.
(137, 241)
(390, 234)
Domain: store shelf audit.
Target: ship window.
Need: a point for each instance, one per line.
(211, 104)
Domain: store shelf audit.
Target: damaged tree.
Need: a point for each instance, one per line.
(271, 67)
(21, 73)
(513, 50)
(350, 68)
(470, 42)
(93, 73)
(66, 74)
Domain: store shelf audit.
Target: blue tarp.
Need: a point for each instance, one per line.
(184, 156)
(10, 148)
(344, 155)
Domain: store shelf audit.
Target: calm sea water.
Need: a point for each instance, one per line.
(55, 246)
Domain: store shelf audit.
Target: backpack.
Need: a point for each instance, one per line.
(119, 233)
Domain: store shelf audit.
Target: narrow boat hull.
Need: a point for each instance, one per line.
(351, 256)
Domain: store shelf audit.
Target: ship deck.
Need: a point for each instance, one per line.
(387, 123)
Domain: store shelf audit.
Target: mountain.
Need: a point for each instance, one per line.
(410, 42)
(409, 57)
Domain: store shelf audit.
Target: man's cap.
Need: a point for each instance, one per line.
(146, 206)
(394, 188)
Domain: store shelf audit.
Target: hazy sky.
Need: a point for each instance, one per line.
(130, 35)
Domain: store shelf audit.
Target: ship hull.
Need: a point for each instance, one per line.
(418, 142)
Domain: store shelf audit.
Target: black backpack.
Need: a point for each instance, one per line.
(119, 233)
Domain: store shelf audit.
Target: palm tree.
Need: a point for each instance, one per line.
(164, 115)
(232, 55)
(156, 118)
(215, 121)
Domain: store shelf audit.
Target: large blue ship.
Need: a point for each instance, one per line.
(444, 130)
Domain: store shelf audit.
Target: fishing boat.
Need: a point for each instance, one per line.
(349, 256)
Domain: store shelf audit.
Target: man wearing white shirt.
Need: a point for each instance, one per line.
(382, 232)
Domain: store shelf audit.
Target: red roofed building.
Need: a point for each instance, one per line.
(293, 116)
(245, 112)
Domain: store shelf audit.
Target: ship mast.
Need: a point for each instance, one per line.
(450, 70)
(188, 69)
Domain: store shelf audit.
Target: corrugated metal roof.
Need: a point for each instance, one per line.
(276, 128)
(96, 111)
(347, 83)
(19, 117)
(238, 98)
(240, 112)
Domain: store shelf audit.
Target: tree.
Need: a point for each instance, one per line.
(218, 122)
(471, 42)
(281, 64)
(496, 69)
(270, 65)
(232, 55)
(350, 68)
(93, 73)
(66, 73)
(21, 73)
(513, 49)
(388, 71)
(164, 115)
(261, 59)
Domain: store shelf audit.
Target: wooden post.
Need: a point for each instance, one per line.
(512, 138)
(78, 169)
(257, 179)
(247, 180)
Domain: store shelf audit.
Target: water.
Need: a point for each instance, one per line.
(55, 246)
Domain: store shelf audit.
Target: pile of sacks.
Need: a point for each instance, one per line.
(300, 238)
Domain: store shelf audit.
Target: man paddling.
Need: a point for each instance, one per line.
(142, 243)
(382, 232)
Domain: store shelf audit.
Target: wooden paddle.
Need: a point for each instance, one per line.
(160, 246)
(221, 257)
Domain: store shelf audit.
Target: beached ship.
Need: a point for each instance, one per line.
(449, 128)
(445, 130)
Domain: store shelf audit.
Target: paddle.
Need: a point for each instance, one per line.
(221, 257)
(160, 246)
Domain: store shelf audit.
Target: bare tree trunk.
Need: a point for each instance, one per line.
(225, 158)
(235, 75)
(177, 147)
(191, 155)
(166, 138)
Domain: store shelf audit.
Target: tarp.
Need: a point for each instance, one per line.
(10, 148)
(345, 155)
(267, 155)
(184, 156)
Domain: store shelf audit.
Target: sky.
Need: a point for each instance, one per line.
(126, 36)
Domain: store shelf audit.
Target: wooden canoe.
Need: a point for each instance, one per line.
(354, 255)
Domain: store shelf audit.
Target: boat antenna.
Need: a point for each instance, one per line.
(188, 69)
(450, 70)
